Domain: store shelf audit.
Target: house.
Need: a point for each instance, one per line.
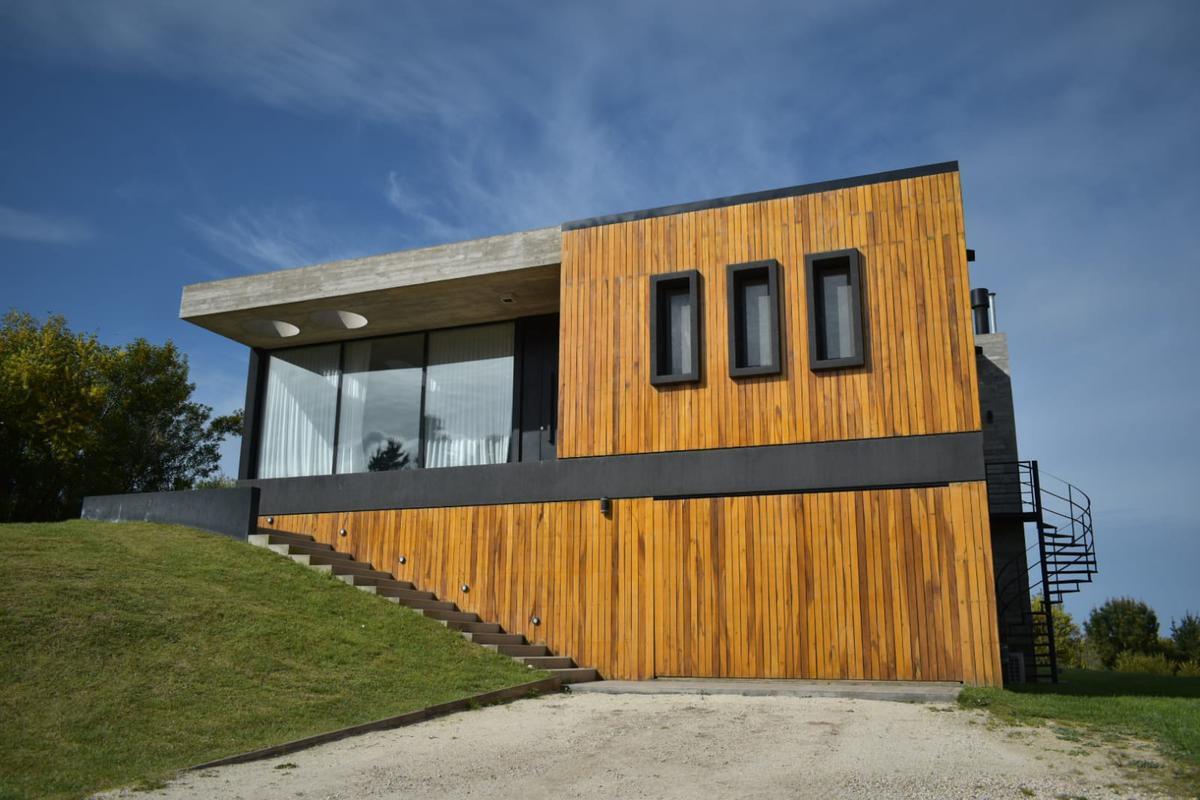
(744, 437)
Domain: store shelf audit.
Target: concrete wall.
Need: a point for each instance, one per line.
(229, 512)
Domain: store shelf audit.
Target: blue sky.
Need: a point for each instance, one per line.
(146, 145)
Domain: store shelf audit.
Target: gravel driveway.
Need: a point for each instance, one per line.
(626, 746)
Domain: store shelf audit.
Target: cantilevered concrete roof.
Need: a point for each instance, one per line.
(482, 280)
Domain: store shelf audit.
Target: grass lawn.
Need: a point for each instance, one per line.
(1165, 710)
(128, 651)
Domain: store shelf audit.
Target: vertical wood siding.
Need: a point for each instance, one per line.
(919, 375)
(885, 584)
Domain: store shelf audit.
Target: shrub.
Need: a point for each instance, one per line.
(1121, 625)
(1156, 664)
(1185, 634)
(1189, 669)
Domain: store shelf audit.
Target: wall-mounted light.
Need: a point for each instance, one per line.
(465, 588)
(403, 560)
(342, 532)
(606, 506)
(535, 619)
(270, 520)
(507, 299)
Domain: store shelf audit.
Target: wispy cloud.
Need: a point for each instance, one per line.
(274, 238)
(29, 226)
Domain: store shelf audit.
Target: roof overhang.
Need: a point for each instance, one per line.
(481, 280)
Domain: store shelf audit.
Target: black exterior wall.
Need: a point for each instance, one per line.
(230, 512)
(816, 467)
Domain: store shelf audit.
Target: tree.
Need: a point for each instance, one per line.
(388, 457)
(1185, 635)
(1068, 641)
(79, 417)
(1122, 625)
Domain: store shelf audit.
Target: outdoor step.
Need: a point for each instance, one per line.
(495, 638)
(549, 662)
(450, 616)
(403, 594)
(576, 675)
(355, 568)
(284, 536)
(520, 650)
(473, 627)
(380, 583)
(312, 549)
(428, 605)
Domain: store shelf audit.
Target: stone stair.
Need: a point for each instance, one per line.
(324, 558)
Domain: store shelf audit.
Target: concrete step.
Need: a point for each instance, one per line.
(576, 674)
(281, 537)
(495, 638)
(403, 594)
(314, 549)
(355, 568)
(381, 583)
(520, 650)
(473, 627)
(549, 662)
(428, 605)
(450, 616)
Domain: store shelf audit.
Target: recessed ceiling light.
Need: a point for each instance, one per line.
(334, 320)
(270, 328)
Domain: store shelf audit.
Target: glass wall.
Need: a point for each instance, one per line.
(379, 427)
(394, 409)
(298, 412)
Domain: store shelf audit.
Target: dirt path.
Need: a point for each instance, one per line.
(625, 746)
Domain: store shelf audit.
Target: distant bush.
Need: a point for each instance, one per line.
(1189, 669)
(1122, 625)
(1185, 635)
(1157, 664)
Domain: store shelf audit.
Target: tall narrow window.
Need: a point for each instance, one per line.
(298, 412)
(675, 327)
(753, 318)
(835, 309)
(379, 427)
(469, 396)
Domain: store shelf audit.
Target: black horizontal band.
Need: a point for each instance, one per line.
(775, 469)
(770, 194)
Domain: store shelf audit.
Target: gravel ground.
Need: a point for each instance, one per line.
(629, 746)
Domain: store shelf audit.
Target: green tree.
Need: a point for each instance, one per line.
(79, 417)
(1122, 624)
(1068, 641)
(1185, 635)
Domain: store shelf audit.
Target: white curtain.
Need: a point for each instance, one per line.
(355, 378)
(468, 396)
(837, 307)
(757, 304)
(298, 413)
(680, 310)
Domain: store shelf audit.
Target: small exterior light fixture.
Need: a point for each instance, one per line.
(507, 299)
(342, 532)
(403, 560)
(606, 506)
(535, 619)
(464, 588)
(270, 520)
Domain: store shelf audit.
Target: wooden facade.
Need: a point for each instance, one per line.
(891, 584)
(919, 376)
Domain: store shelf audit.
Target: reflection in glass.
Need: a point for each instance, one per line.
(380, 422)
(468, 396)
(298, 413)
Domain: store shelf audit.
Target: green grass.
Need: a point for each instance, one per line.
(130, 651)
(1162, 709)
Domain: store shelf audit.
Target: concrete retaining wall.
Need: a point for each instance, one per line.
(229, 512)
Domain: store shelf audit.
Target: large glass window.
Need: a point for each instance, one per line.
(379, 427)
(835, 310)
(298, 412)
(395, 410)
(468, 396)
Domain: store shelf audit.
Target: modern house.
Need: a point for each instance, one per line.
(745, 437)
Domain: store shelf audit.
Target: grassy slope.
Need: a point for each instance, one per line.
(1165, 710)
(129, 651)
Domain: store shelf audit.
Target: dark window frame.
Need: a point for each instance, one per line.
(812, 263)
(671, 280)
(736, 314)
(260, 366)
